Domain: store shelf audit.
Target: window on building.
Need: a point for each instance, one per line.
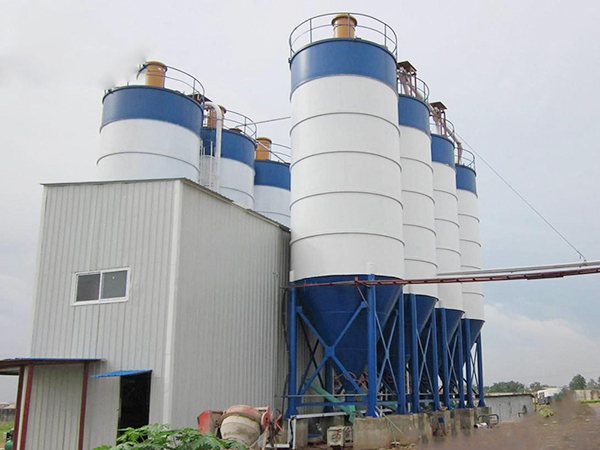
(105, 285)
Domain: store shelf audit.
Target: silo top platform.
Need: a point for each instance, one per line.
(343, 26)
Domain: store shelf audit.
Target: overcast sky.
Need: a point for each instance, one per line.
(520, 79)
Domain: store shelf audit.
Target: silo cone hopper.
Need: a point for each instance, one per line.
(425, 306)
(338, 314)
(453, 317)
(470, 333)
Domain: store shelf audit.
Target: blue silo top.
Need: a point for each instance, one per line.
(466, 179)
(442, 150)
(271, 173)
(154, 103)
(413, 112)
(234, 145)
(338, 56)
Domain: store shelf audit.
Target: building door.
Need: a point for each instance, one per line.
(134, 409)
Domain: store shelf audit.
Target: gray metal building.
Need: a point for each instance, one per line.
(162, 276)
(510, 406)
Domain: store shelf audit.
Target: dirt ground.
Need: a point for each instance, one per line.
(573, 426)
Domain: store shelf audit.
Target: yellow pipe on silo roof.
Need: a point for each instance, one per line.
(344, 26)
(155, 73)
(263, 148)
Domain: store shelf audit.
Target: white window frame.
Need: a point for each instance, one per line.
(74, 301)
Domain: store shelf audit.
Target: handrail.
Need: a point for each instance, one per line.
(282, 157)
(313, 30)
(466, 159)
(187, 83)
(442, 127)
(236, 121)
(413, 86)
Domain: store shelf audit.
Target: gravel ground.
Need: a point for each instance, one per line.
(573, 426)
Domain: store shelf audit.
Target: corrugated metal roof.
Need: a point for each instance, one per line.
(11, 366)
(184, 180)
(508, 394)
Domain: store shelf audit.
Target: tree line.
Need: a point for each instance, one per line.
(577, 382)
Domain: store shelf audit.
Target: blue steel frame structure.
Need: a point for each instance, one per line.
(460, 344)
(402, 394)
(424, 381)
(370, 397)
(473, 353)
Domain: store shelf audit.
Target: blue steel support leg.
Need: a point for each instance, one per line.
(401, 368)
(461, 362)
(329, 383)
(480, 372)
(293, 354)
(414, 357)
(468, 346)
(434, 373)
(445, 362)
(371, 350)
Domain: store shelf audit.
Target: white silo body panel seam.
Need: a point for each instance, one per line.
(470, 249)
(447, 229)
(148, 149)
(345, 213)
(273, 202)
(418, 214)
(237, 182)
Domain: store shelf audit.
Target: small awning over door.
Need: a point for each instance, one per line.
(122, 373)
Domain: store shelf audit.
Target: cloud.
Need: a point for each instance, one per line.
(527, 349)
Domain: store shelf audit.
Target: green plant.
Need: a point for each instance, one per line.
(590, 401)
(160, 437)
(546, 411)
(4, 427)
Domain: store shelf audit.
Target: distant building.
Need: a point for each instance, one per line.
(510, 406)
(7, 412)
(587, 394)
(545, 395)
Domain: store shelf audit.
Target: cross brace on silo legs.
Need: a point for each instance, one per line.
(461, 363)
(433, 375)
(414, 356)
(401, 365)
(293, 353)
(474, 369)
(469, 363)
(479, 352)
(297, 389)
(371, 350)
(446, 353)
(422, 345)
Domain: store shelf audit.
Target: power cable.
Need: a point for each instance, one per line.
(273, 120)
(581, 256)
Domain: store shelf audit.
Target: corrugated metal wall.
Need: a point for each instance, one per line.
(102, 226)
(228, 346)
(55, 398)
(510, 407)
(102, 414)
(205, 300)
